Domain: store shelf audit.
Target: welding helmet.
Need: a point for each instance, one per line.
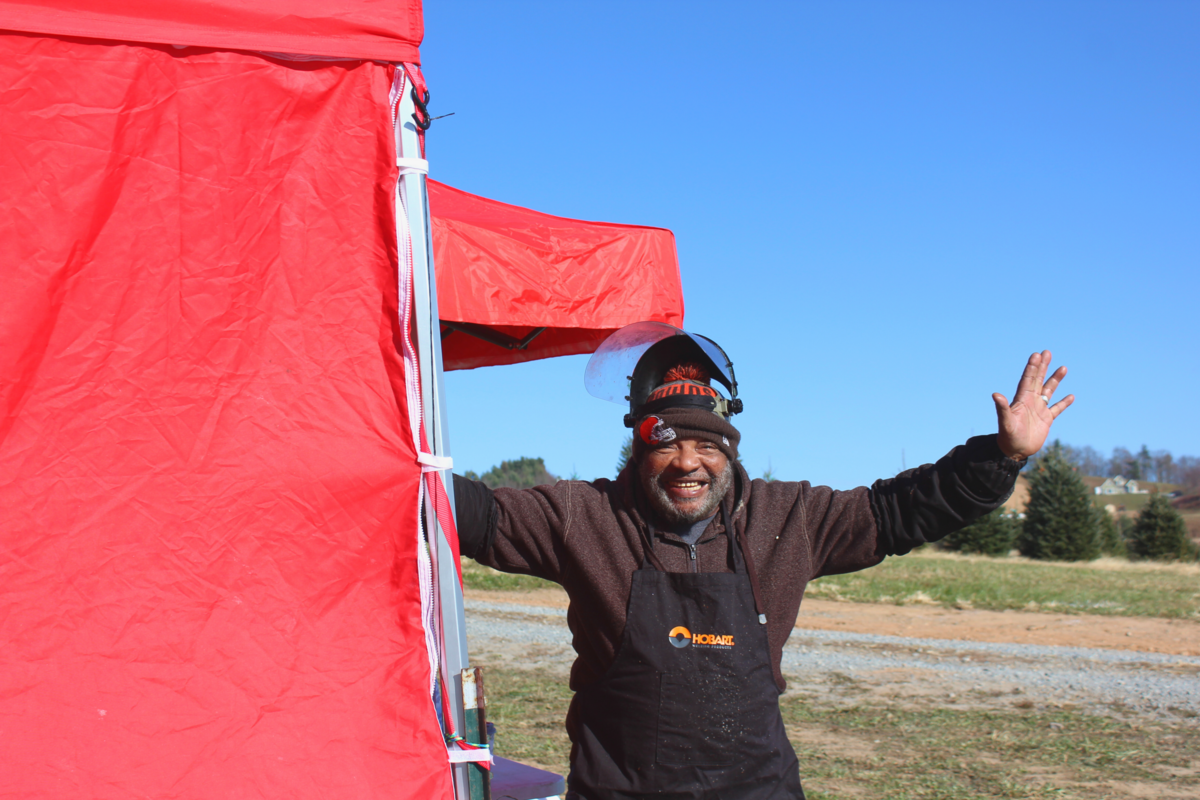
(630, 364)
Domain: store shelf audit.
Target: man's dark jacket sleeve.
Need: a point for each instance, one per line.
(475, 516)
(931, 501)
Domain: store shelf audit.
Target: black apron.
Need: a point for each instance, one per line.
(689, 708)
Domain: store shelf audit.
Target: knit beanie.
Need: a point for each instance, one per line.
(670, 424)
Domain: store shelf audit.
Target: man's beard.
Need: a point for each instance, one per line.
(665, 511)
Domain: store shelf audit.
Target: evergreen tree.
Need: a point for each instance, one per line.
(1060, 524)
(625, 454)
(1160, 533)
(1085, 459)
(1112, 542)
(990, 535)
(1125, 530)
(521, 473)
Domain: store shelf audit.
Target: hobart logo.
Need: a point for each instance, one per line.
(682, 637)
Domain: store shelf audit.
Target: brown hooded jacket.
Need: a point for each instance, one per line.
(588, 537)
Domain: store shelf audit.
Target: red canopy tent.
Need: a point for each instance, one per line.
(565, 283)
(214, 572)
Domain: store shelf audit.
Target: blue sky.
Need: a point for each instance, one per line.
(880, 210)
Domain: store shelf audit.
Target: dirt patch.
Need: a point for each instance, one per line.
(553, 597)
(1142, 634)
(1136, 790)
(847, 746)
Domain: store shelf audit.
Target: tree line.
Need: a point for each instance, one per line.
(1157, 466)
(1062, 524)
(519, 473)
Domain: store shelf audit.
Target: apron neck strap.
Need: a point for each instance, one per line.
(648, 555)
(736, 554)
(743, 560)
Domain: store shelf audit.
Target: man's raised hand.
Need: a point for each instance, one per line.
(1025, 423)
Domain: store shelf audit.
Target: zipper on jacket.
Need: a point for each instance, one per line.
(692, 553)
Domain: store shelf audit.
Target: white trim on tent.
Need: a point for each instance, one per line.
(427, 329)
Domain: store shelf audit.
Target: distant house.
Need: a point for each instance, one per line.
(1120, 485)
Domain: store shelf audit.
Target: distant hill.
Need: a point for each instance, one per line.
(522, 473)
(1189, 508)
(1189, 502)
(1093, 482)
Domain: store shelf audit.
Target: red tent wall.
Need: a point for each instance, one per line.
(207, 484)
(515, 270)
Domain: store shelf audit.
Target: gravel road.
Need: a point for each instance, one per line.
(843, 667)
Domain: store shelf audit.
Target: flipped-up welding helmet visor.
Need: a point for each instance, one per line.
(631, 362)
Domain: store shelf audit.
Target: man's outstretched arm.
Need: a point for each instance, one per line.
(513, 530)
(929, 502)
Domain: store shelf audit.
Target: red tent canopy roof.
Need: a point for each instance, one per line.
(509, 270)
(365, 29)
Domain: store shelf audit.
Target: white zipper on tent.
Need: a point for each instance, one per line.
(413, 169)
(412, 378)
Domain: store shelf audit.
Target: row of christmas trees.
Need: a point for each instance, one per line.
(1062, 524)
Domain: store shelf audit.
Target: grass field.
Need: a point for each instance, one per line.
(1108, 586)
(1131, 503)
(886, 751)
(477, 576)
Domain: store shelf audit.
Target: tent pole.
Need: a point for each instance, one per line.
(429, 352)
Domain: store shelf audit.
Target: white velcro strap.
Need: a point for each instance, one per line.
(413, 166)
(431, 463)
(464, 756)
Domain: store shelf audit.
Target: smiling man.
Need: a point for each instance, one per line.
(685, 577)
(685, 475)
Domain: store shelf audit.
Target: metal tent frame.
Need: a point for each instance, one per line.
(427, 334)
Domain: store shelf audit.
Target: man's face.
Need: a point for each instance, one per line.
(684, 480)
